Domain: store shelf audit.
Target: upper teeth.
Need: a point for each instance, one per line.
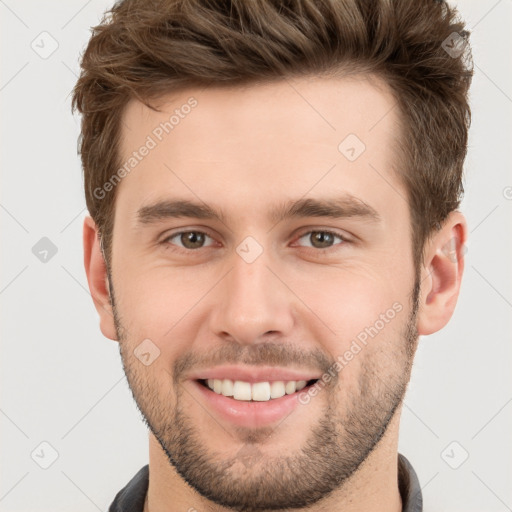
(259, 391)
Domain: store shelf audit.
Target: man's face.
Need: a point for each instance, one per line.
(256, 298)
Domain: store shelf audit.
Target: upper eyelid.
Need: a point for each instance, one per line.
(331, 231)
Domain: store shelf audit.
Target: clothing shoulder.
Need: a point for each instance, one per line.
(409, 486)
(131, 498)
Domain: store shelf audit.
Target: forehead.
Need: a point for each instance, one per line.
(248, 146)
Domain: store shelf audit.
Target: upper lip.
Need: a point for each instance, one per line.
(254, 373)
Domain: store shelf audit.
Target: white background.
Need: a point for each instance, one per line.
(62, 382)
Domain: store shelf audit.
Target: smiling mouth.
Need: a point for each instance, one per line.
(257, 391)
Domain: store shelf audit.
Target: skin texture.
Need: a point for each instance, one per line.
(244, 151)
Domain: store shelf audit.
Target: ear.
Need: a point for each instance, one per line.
(97, 278)
(441, 274)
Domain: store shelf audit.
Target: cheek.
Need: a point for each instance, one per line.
(159, 304)
(365, 312)
(351, 297)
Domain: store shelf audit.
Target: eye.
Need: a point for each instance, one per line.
(188, 239)
(321, 239)
(193, 240)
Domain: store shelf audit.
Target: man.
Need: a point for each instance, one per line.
(273, 189)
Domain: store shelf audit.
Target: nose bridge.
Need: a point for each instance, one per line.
(251, 300)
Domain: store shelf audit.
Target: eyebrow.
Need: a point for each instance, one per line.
(335, 208)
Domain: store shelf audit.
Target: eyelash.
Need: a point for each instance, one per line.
(166, 242)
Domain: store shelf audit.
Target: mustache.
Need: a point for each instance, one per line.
(260, 354)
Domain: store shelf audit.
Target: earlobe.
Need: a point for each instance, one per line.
(441, 274)
(97, 277)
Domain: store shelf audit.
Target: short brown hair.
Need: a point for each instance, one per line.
(146, 48)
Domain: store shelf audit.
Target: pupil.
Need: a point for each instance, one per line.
(324, 239)
(192, 239)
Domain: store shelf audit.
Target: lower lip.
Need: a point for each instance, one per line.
(249, 414)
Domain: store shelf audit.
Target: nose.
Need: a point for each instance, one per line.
(252, 303)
